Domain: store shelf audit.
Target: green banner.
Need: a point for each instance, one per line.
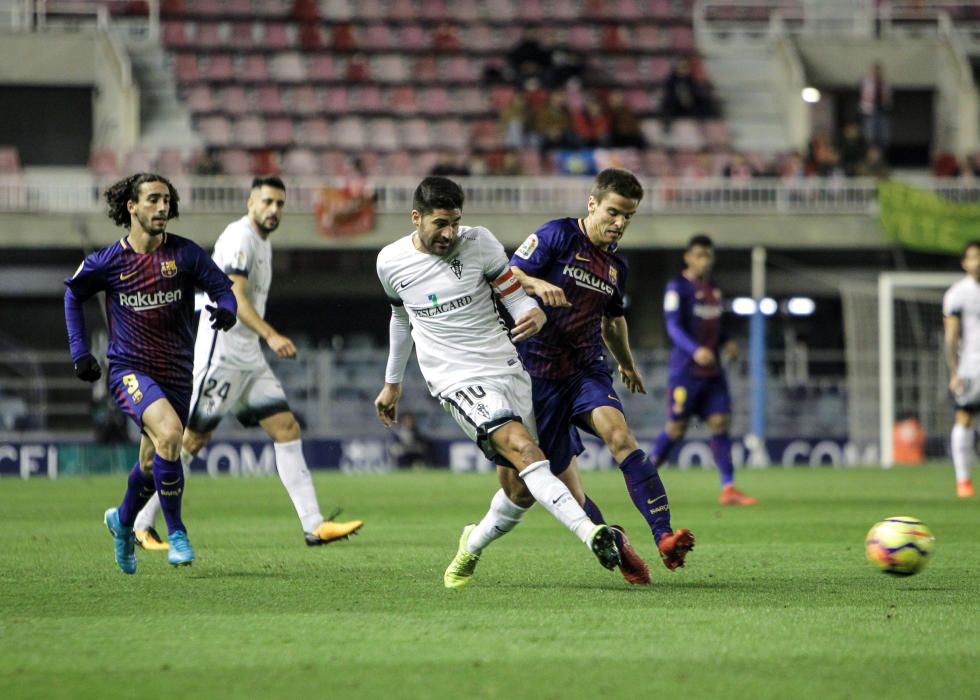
(922, 220)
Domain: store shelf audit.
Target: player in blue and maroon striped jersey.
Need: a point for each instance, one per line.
(572, 266)
(696, 384)
(149, 278)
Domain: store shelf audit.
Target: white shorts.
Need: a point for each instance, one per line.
(482, 406)
(250, 394)
(969, 399)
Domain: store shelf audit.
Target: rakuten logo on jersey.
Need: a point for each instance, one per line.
(584, 278)
(141, 301)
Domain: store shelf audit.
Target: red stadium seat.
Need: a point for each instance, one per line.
(415, 134)
(102, 162)
(288, 67)
(480, 37)
(186, 68)
(333, 163)
(435, 101)
(581, 37)
(249, 132)
(499, 10)
(471, 101)
(323, 68)
(378, 37)
(382, 135)
(216, 131)
(278, 36)
(371, 10)
(316, 133)
(279, 132)
(170, 162)
(236, 162)
(209, 36)
(390, 68)
(649, 37)
(234, 101)
(653, 131)
(175, 35)
(349, 133)
(466, 11)
(403, 100)
(269, 99)
(219, 67)
(242, 36)
(426, 69)
(199, 98)
(311, 37)
(531, 11)
(434, 10)
(301, 162)
(305, 100)
(253, 69)
(685, 134)
(367, 99)
(337, 9)
(138, 161)
(336, 100)
(414, 38)
(401, 10)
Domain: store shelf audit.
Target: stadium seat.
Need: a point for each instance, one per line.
(716, 133)
(249, 132)
(470, 101)
(426, 69)
(279, 132)
(300, 161)
(403, 100)
(649, 37)
(460, 69)
(333, 163)
(216, 130)
(314, 133)
(199, 98)
(434, 10)
(219, 67)
(653, 131)
(311, 37)
(656, 68)
(9, 160)
(450, 134)
(581, 37)
(269, 99)
(401, 10)
(288, 67)
(415, 134)
(175, 35)
(382, 134)
(304, 100)
(638, 100)
(278, 37)
(138, 161)
(242, 36)
(628, 10)
(204, 8)
(479, 37)
(564, 10)
(531, 11)
(337, 9)
(239, 9)
(685, 134)
(236, 162)
(102, 162)
(234, 102)
(499, 10)
(323, 68)
(399, 164)
(371, 10)
(253, 68)
(390, 68)
(209, 35)
(186, 68)
(485, 135)
(336, 100)
(367, 99)
(378, 37)
(414, 38)
(466, 11)
(170, 162)
(435, 101)
(349, 133)
(682, 39)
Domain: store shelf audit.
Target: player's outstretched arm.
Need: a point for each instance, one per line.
(86, 367)
(386, 405)
(548, 293)
(951, 338)
(615, 333)
(247, 314)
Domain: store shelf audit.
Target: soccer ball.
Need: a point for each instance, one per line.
(900, 546)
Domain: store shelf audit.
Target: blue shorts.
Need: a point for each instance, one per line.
(134, 391)
(561, 406)
(697, 396)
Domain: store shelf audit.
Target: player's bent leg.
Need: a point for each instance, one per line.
(164, 428)
(721, 450)
(461, 568)
(124, 542)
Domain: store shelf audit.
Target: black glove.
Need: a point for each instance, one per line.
(221, 319)
(87, 369)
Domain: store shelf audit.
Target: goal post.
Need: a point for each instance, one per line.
(911, 366)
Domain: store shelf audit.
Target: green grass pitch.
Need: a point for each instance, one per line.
(777, 601)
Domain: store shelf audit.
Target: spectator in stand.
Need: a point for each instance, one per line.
(792, 168)
(409, 447)
(208, 163)
(875, 107)
(567, 64)
(683, 95)
(590, 126)
(824, 161)
(358, 68)
(738, 168)
(514, 121)
(853, 150)
(550, 124)
(445, 37)
(529, 58)
(874, 165)
(625, 131)
(450, 164)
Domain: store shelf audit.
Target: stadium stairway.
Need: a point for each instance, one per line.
(164, 120)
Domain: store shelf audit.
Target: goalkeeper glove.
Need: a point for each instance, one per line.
(87, 369)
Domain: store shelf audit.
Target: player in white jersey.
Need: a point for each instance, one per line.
(961, 323)
(231, 375)
(441, 281)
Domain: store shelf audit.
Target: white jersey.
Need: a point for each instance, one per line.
(239, 251)
(963, 300)
(459, 337)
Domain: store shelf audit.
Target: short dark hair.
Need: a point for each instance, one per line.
(117, 196)
(975, 243)
(436, 192)
(268, 180)
(699, 239)
(618, 180)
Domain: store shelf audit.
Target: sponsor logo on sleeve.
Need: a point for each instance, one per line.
(672, 300)
(528, 247)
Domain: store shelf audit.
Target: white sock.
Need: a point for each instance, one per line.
(549, 491)
(295, 476)
(504, 515)
(147, 517)
(962, 444)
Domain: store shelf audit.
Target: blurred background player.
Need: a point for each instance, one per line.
(961, 325)
(232, 375)
(149, 278)
(441, 281)
(572, 265)
(696, 383)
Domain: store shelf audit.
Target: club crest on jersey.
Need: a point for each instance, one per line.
(168, 268)
(613, 274)
(528, 247)
(457, 267)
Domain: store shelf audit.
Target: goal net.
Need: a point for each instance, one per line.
(895, 363)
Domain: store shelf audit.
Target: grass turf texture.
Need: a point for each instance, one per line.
(777, 600)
